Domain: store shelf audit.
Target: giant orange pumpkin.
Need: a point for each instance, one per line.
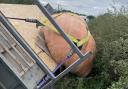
(76, 26)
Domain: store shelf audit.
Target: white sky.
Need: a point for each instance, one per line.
(88, 7)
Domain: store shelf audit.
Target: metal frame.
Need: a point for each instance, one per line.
(60, 30)
(17, 36)
(11, 72)
(2, 85)
(67, 70)
(43, 66)
(72, 45)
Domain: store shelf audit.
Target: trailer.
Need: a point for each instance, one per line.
(23, 65)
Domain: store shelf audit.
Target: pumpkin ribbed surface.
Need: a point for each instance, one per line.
(75, 26)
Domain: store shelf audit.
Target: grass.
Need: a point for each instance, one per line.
(110, 70)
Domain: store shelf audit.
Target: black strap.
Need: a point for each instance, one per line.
(38, 23)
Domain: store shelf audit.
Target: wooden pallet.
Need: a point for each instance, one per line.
(27, 30)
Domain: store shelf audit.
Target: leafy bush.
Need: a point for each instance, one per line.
(121, 65)
(110, 69)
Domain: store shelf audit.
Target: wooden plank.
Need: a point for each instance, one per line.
(27, 30)
(16, 58)
(47, 60)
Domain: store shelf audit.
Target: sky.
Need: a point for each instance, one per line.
(88, 7)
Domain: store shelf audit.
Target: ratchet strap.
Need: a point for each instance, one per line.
(83, 41)
(46, 22)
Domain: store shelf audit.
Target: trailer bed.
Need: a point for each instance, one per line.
(23, 65)
(28, 31)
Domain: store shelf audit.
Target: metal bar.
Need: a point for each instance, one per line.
(19, 73)
(2, 86)
(6, 46)
(26, 62)
(67, 70)
(13, 31)
(60, 30)
(5, 42)
(8, 66)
